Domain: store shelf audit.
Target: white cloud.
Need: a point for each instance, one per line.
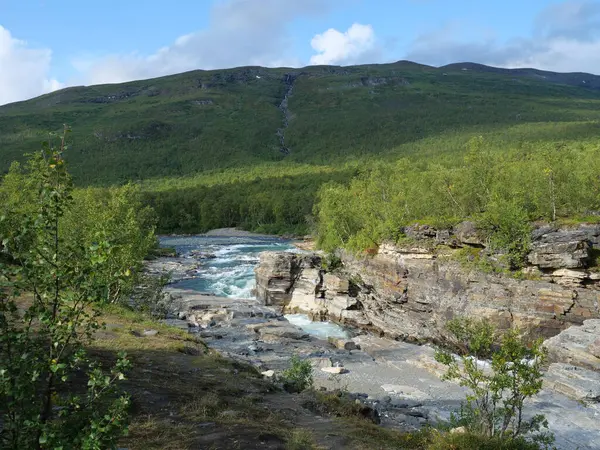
(357, 44)
(240, 32)
(24, 71)
(565, 38)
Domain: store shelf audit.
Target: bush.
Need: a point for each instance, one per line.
(43, 402)
(113, 217)
(499, 387)
(298, 377)
(509, 229)
(470, 441)
(331, 262)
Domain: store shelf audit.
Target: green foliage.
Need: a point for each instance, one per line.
(272, 199)
(298, 377)
(204, 146)
(338, 403)
(300, 440)
(502, 188)
(331, 262)
(51, 395)
(111, 220)
(498, 389)
(471, 441)
(114, 215)
(509, 229)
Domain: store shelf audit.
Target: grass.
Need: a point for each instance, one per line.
(175, 392)
(182, 401)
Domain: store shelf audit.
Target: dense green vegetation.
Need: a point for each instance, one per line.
(62, 256)
(204, 145)
(501, 188)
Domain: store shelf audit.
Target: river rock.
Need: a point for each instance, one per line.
(577, 345)
(342, 344)
(575, 382)
(277, 273)
(285, 331)
(334, 370)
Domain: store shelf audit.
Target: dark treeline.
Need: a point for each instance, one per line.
(276, 205)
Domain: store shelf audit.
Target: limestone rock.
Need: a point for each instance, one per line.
(277, 273)
(420, 232)
(577, 345)
(334, 283)
(569, 277)
(409, 292)
(268, 373)
(594, 348)
(563, 249)
(574, 382)
(467, 233)
(334, 370)
(342, 344)
(285, 331)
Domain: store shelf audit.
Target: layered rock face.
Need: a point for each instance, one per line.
(409, 292)
(280, 272)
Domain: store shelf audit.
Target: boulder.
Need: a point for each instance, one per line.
(577, 345)
(286, 331)
(562, 249)
(466, 233)
(277, 273)
(342, 344)
(575, 382)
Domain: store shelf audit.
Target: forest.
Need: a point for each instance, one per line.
(368, 149)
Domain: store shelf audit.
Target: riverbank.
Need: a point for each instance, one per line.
(401, 381)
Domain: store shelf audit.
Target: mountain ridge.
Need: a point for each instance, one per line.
(553, 76)
(251, 146)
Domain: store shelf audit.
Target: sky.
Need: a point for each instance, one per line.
(50, 44)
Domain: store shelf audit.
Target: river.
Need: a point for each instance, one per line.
(227, 270)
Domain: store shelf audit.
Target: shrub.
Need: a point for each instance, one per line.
(43, 404)
(331, 262)
(298, 377)
(498, 388)
(470, 441)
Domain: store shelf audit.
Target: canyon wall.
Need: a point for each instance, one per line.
(410, 291)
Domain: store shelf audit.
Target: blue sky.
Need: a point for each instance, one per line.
(48, 44)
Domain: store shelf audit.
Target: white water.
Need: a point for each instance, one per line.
(319, 329)
(231, 272)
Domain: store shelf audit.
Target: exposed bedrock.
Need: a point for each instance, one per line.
(409, 292)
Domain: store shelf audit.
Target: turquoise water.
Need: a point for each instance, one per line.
(231, 273)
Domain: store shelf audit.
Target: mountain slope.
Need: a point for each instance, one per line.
(205, 120)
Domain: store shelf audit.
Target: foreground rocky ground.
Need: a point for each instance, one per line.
(400, 381)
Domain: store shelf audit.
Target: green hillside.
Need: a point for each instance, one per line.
(251, 146)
